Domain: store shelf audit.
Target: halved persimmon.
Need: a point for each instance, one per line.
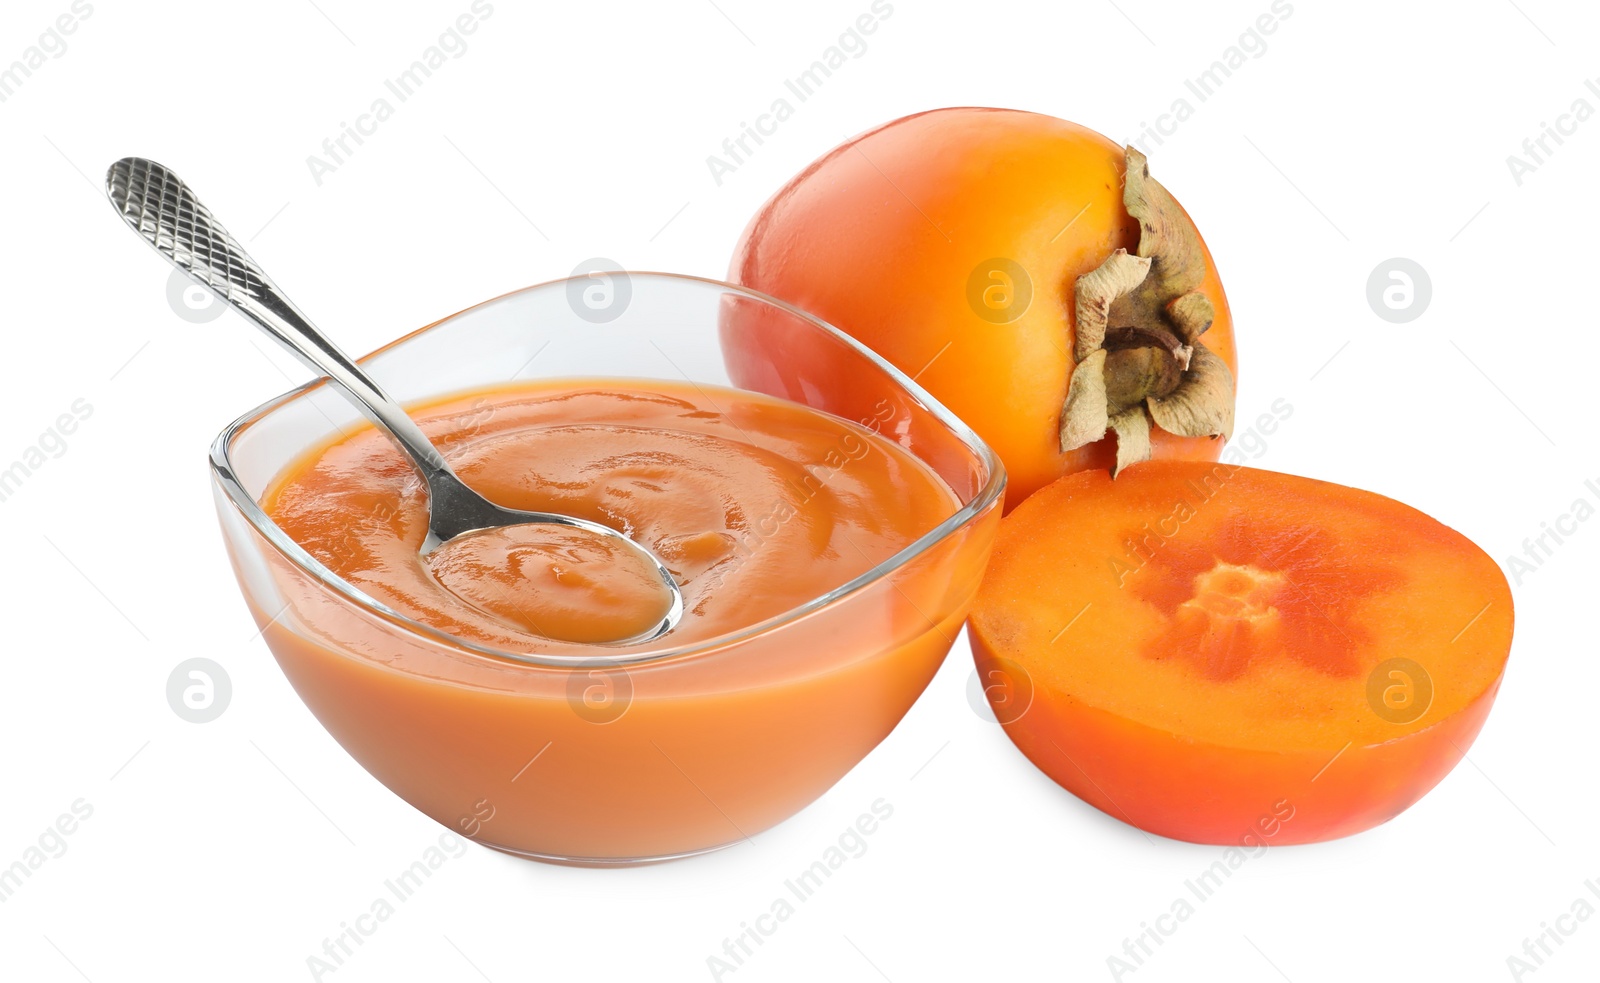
(1217, 652)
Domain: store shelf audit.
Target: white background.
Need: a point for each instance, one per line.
(230, 850)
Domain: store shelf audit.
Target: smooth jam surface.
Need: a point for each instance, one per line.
(756, 505)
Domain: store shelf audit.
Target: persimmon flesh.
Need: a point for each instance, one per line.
(1208, 648)
(952, 243)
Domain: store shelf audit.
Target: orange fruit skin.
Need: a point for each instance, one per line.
(1336, 781)
(1204, 793)
(883, 236)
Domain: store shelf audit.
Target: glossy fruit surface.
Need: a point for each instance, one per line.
(950, 242)
(1196, 649)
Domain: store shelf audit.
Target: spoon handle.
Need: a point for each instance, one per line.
(160, 207)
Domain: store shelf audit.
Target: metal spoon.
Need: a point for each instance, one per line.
(160, 207)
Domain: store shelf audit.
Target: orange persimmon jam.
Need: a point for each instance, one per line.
(612, 753)
(556, 581)
(755, 504)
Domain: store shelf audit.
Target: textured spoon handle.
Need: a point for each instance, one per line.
(162, 209)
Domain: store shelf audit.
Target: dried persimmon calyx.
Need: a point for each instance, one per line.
(1138, 321)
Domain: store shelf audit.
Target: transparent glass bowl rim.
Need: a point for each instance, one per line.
(223, 472)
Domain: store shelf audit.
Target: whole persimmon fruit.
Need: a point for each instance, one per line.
(1026, 271)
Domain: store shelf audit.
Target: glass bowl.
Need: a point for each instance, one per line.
(592, 754)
